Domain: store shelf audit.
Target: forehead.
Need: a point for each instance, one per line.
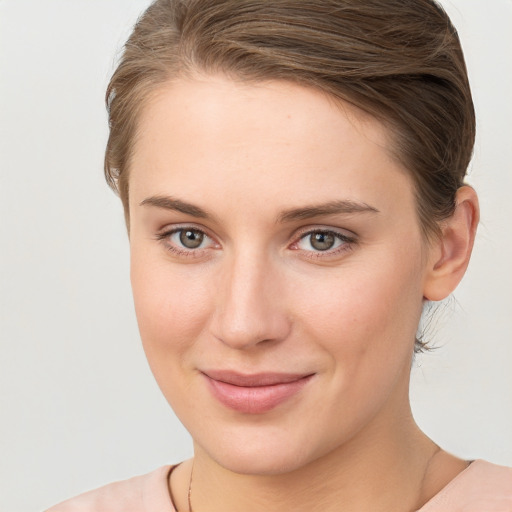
(211, 135)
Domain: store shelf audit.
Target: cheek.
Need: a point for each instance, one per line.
(365, 314)
(171, 310)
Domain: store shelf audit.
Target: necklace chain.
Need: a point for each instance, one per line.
(189, 494)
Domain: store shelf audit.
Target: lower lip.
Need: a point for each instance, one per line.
(255, 399)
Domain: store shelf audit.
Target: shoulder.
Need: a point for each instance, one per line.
(144, 493)
(481, 487)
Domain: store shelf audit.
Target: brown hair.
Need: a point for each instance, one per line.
(399, 60)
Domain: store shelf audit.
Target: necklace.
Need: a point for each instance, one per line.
(189, 494)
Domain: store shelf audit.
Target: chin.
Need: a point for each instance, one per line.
(260, 451)
(260, 464)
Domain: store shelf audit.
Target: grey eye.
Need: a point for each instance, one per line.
(322, 241)
(191, 238)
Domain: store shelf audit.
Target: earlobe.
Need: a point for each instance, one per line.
(452, 252)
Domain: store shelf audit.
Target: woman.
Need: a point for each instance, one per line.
(292, 175)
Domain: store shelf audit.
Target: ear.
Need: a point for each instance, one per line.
(449, 256)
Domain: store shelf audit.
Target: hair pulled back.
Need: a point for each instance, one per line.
(399, 60)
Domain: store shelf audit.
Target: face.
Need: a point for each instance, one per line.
(277, 267)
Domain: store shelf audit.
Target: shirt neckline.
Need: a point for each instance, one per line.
(454, 481)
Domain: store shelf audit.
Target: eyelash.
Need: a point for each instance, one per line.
(346, 245)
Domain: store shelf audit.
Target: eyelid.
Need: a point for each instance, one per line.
(345, 234)
(173, 228)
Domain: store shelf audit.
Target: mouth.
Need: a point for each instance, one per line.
(256, 393)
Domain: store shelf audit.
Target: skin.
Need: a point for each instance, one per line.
(257, 296)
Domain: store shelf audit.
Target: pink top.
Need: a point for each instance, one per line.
(482, 487)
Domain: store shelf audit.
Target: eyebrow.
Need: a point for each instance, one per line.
(346, 207)
(331, 208)
(171, 203)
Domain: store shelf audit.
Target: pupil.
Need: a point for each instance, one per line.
(191, 239)
(322, 241)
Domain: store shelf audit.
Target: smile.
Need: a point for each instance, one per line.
(254, 394)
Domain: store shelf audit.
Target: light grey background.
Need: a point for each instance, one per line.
(78, 404)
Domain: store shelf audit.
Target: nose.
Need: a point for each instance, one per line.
(250, 307)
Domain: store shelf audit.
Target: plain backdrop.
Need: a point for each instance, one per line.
(78, 405)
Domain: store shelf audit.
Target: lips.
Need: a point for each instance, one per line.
(256, 393)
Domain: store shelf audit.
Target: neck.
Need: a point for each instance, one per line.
(372, 472)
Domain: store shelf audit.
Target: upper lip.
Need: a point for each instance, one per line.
(255, 379)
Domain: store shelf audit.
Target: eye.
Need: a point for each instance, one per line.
(323, 241)
(185, 241)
